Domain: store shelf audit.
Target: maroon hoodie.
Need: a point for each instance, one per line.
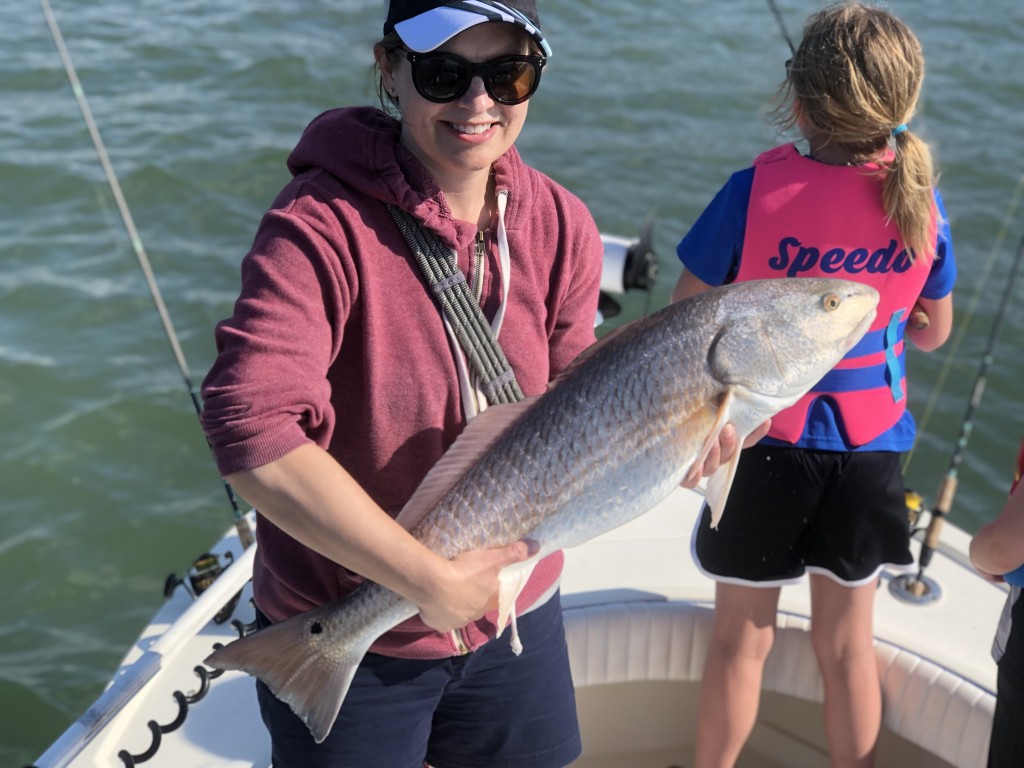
(335, 338)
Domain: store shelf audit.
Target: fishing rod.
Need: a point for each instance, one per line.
(245, 534)
(919, 586)
(782, 25)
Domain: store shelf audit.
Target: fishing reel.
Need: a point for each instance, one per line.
(204, 571)
(917, 588)
(915, 509)
(628, 265)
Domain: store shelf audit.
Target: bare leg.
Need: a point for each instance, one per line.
(744, 628)
(842, 633)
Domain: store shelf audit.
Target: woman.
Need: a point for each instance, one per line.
(823, 493)
(336, 388)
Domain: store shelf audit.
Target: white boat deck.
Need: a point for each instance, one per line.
(637, 609)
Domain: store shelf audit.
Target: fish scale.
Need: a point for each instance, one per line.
(613, 436)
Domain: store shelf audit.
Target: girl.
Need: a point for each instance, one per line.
(823, 494)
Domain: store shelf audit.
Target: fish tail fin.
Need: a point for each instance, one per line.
(312, 683)
(511, 582)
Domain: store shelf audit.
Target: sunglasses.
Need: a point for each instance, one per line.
(442, 77)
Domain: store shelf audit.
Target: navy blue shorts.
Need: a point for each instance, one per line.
(793, 510)
(487, 708)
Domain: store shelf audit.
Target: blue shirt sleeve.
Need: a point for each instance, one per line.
(1015, 577)
(943, 273)
(711, 249)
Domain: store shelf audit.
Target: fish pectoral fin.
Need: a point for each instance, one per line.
(517, 644)
(721, 419)
(311, 682)
(720, 483)
(511, 582)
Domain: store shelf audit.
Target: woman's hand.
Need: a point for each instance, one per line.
(722, 452)
(467, 586)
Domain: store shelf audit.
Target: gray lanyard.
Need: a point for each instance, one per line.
(448, 284)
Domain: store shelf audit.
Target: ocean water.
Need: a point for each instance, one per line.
(106, 484)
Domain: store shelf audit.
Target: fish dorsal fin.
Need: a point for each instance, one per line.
(479, 435)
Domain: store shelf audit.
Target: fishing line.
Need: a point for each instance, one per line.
(241, 524)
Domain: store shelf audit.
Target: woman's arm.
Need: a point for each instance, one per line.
(311, 497)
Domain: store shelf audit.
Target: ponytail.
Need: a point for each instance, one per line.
(857, 73)
(907, 194)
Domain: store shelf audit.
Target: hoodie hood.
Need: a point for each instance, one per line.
(360, 147)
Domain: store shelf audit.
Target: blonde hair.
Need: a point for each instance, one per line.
(855, 79)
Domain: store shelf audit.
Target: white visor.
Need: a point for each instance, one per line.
(435, 27)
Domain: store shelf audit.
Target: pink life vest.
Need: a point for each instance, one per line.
(810, 219)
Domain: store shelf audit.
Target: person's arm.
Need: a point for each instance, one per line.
(265, 394)
(998, 547)
(311, 497)
(931, 332)
(931, 318)
(688, 285)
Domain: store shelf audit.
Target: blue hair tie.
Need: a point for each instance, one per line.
(899, 129)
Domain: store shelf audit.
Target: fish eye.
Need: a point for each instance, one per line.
(830, 302)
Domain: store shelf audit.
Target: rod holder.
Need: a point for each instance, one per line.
(918, 590)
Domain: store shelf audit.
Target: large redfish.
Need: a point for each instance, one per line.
(613, 436)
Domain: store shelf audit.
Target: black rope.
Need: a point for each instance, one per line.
(448, 284)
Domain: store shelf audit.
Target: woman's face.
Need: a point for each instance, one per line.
(464, 137)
